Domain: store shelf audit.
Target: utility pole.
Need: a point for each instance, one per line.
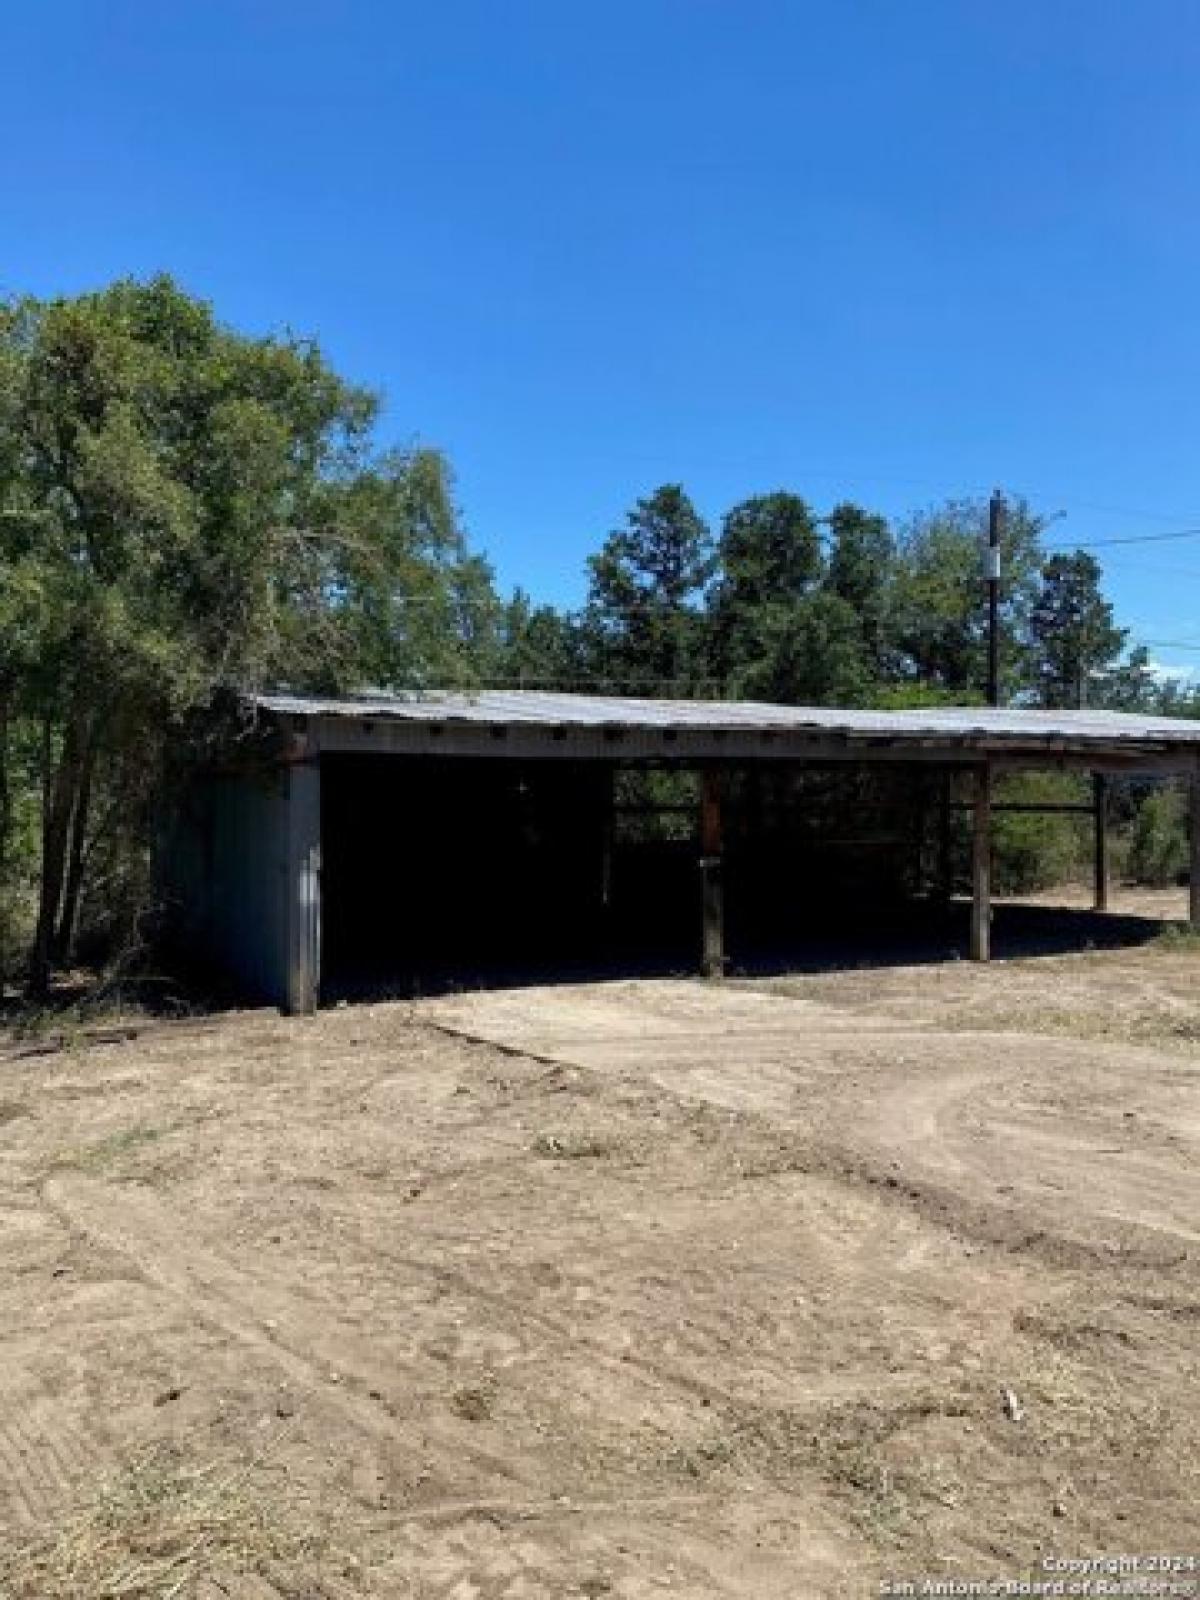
(991, 573)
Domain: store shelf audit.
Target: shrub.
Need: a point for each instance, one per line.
(1158, 845)
(1034, 850)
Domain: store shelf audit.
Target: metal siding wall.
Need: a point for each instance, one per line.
(247, 922)
(240, 873)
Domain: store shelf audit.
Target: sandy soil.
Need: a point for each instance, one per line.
(632, 1289)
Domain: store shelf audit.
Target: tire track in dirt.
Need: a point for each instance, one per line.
(163, 1255)
(904, 1135)
(676, 1059)
(875, 1249)
(304, 1344)
(954, 1130)
(43, 1457)
(25, 1489)
(868, 1111)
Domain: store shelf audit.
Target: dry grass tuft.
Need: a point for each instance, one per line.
(106, 1154)
(574, 1146)
(152, 1533)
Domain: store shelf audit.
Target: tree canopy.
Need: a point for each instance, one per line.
(186, 509)
(647, 583)
(1074, 638)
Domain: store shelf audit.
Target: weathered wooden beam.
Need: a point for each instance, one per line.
(1100, 871)
(712, 895)
(1035, 807)
(689, 748)
(981, 867)
(608, 838)
(302, 888)
(945, 839)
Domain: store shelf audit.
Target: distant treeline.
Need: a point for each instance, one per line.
(185, 509)
(845, 608)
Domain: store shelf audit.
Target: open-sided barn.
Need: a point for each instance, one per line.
(388, 833)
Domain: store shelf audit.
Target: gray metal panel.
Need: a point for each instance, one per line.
(225, 871)
(247, 907)
(533, 709)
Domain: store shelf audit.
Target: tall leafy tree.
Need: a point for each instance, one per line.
(770, 549)
(1134, 685)
(770, 562)
(940, 612)
(543, 648)
(647, 584)
(861, 571)
(1073, 635)
(183, 507)
(807, 651)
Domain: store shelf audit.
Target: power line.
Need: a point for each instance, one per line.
(1171, 644)
(1129, 538)
(970, 490)
(1113, 511)
(1159, 567)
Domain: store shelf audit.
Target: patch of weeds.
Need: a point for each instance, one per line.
(1178, 938)
(107, 1153)
(573, 1146)
(473, 1402)
(773, 1159)
(155, 1530)
(881, 1499)
(698, 1460)
(31, 1021)
(1178, 1307)
(1071, 1332)
(847, 1449)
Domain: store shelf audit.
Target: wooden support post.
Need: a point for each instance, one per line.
(945, 841)
(302, 888)
(607, 839)
(1194, 877)
(981, 868)
(1100, 808)
(711, 889)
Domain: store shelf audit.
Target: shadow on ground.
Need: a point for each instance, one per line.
(911, 934)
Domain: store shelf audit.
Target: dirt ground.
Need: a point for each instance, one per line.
(773, 1288)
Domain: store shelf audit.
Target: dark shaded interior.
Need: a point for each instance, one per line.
(441, 873)
(441, 869)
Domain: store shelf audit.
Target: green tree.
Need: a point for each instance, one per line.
(647, 583)
(390, 595)
(1071, 627)
(1170, 696)
(770, 549)
(1036, 849)
(768, 557)
(861, 571)
(802, 652)
(940, 610)
(1158, 845)
(543, 647)
(181, 508)
(1134, 685)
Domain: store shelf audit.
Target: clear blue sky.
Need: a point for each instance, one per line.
(885, 250)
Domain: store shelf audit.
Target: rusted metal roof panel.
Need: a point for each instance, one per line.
(531, 709)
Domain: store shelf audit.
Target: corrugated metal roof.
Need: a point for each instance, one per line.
(530, 708)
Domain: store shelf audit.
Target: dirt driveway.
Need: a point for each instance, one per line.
(763, 1290)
